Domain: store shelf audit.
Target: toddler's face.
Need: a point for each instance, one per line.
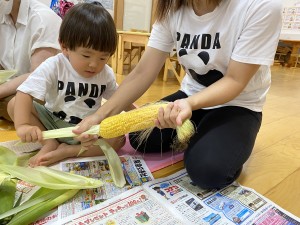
(86, 61)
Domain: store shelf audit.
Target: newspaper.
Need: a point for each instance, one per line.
(135, 170)
(176, 200)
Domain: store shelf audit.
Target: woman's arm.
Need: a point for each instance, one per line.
(39, 56)
(134, 85)
(224, 90)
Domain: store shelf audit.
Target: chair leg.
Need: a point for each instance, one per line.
(296, 63)
(166, 70)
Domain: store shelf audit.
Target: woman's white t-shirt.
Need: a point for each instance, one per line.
(245, 31)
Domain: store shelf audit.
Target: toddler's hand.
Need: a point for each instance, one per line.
(28, 133)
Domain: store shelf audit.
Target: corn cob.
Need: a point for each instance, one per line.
(134, 120)
(114, 126)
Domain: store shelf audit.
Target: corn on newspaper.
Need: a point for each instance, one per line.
(176, 200)
(135, 170)
(134, 167)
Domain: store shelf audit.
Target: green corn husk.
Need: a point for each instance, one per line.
(44, 199)
(6, 74)
(114, 162)
(50, 178)
(7, 197)
(31, 214)
(7, 185)
(67, 132)
(110, 153)
(23, 159)
(41, 195)
(8, 157)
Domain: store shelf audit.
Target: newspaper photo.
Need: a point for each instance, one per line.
(135, 170)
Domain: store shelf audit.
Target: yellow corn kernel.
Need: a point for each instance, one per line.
(131, 121)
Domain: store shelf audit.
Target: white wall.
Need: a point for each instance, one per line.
(137, 14)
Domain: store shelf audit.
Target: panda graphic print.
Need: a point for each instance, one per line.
(196, 64)
(206, 44)
(68, 95)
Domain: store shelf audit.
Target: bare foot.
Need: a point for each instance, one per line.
(50, 145)
(63, 151)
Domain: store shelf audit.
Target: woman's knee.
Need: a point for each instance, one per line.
(210, 174)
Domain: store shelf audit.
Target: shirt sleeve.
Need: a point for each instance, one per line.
(111, 85)
(40, 81)
(161, 36)
(45, 30)
(259, 37)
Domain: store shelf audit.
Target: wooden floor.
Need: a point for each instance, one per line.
(274, 167)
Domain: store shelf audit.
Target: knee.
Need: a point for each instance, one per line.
(10, 108)
(210, 175)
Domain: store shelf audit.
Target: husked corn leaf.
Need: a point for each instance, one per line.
(6, 74)
(50, 178)
(7, 156)
(67, 132)
(23, 159)
(31, 214)
(7, 194)
(41, 195)
(115, 166)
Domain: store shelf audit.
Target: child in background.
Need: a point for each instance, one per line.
(72, 84)
(29, 35)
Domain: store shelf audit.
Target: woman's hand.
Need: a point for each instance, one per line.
(87, 139)
(174, 114)
(28, 133)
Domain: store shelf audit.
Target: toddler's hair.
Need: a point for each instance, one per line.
(88, 25)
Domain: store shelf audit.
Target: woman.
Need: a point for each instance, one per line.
(226, 48)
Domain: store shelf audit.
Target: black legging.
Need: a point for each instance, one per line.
(222, 144)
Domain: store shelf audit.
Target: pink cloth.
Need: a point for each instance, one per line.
(155, 161)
